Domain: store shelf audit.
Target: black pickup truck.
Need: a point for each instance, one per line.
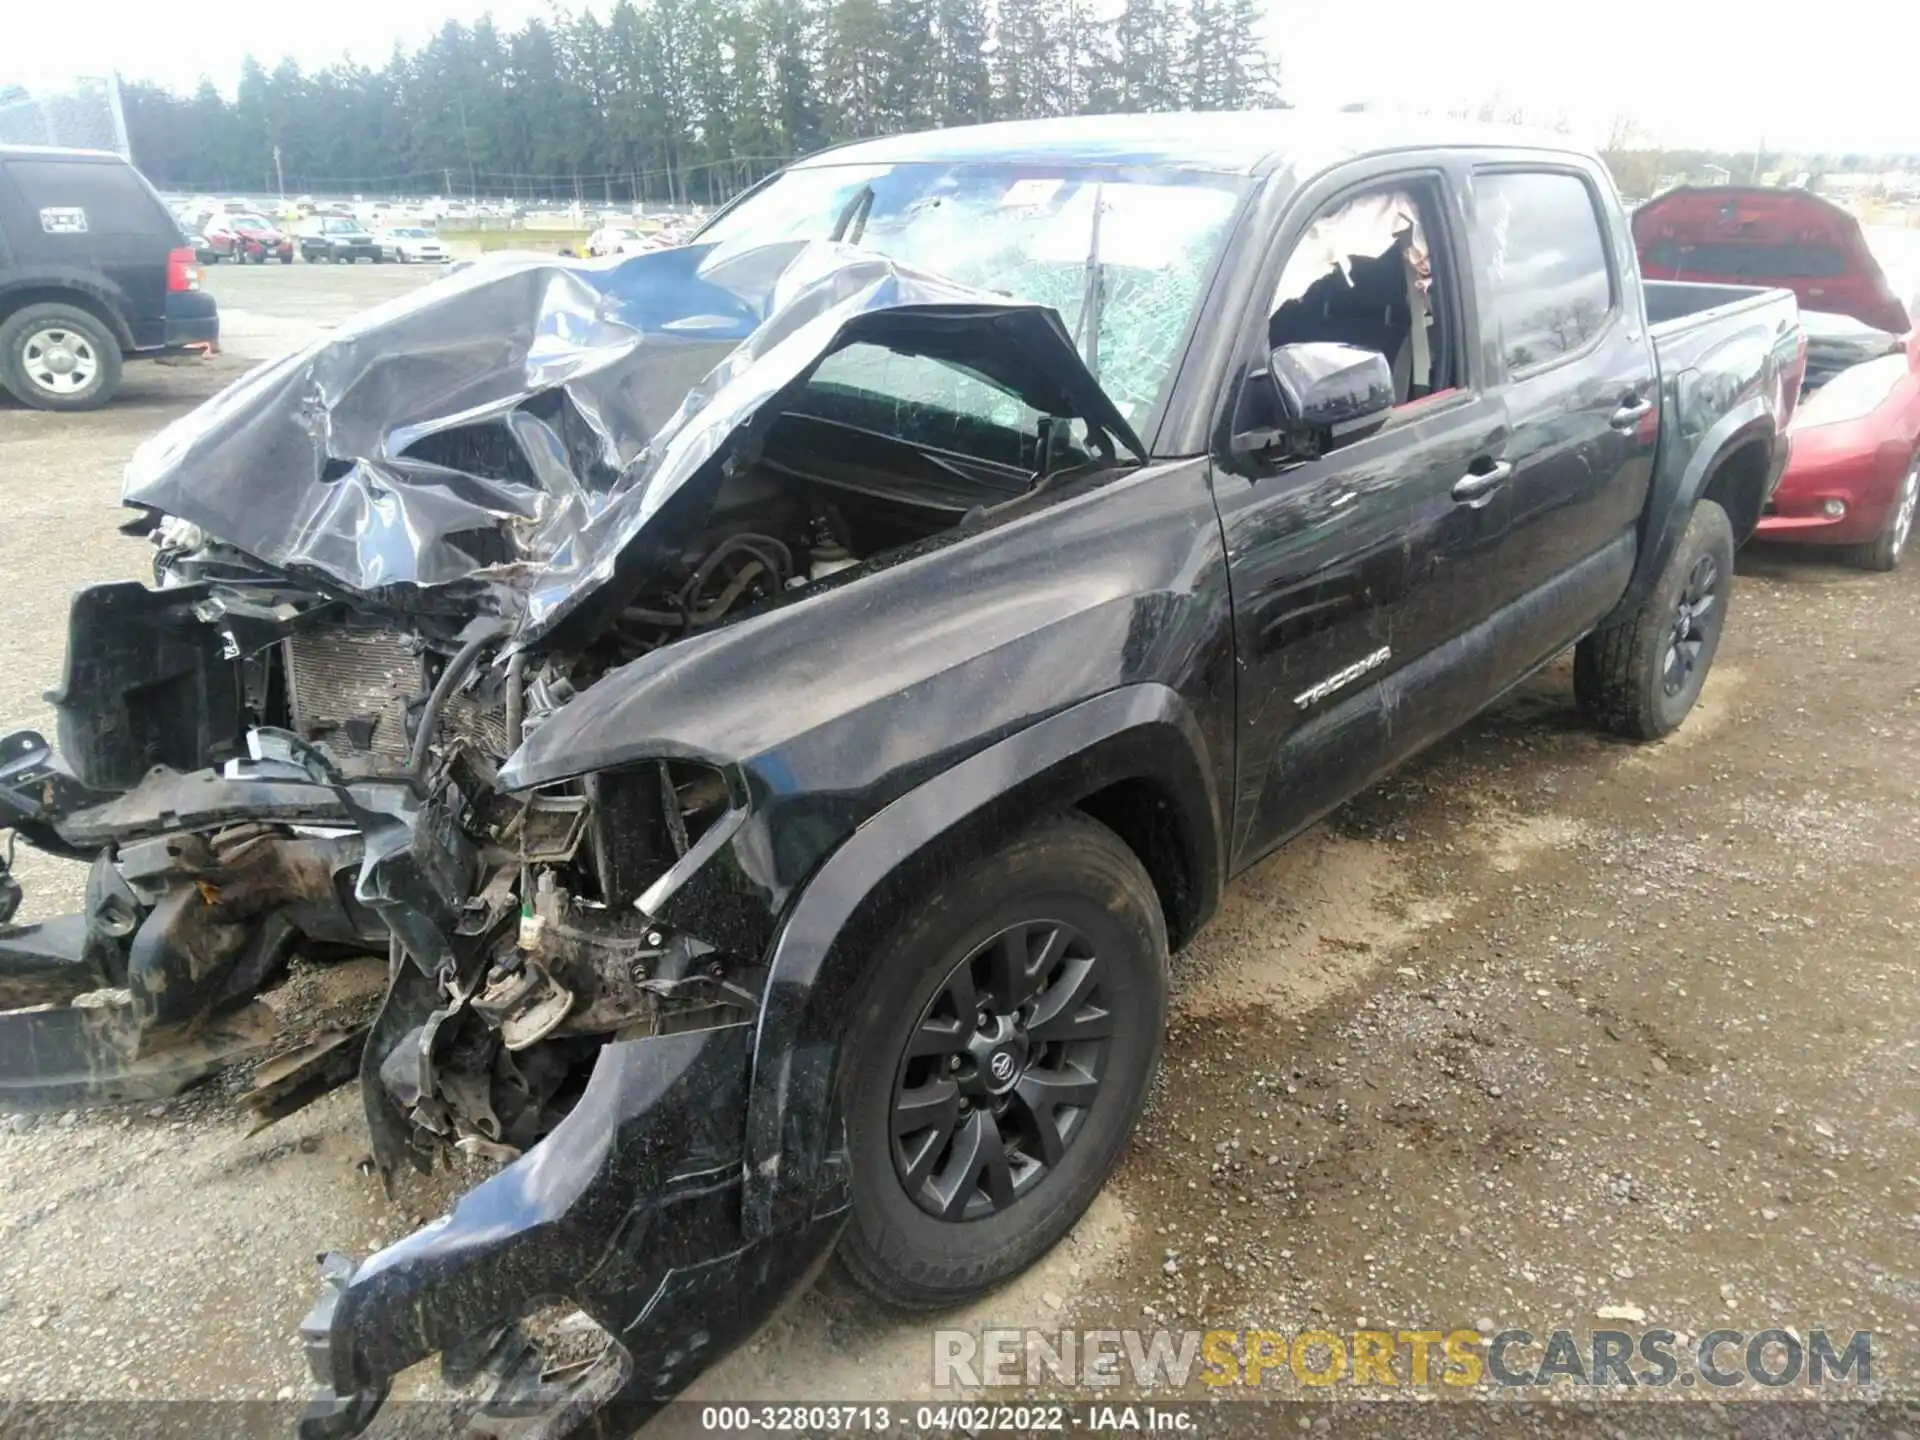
(782, 700)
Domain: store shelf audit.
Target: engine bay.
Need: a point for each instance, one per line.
(542, 893)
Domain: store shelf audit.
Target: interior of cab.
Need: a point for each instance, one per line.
(1364, 274)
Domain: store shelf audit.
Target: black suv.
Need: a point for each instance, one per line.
(338, 237)
(93, 271)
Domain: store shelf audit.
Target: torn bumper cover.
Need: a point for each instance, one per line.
(630, 1210)
(176, 933)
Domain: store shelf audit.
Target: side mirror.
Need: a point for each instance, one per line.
(1320, 394)
(1343, 390)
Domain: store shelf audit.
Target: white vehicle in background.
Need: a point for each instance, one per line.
(409, 243)
(620, 240)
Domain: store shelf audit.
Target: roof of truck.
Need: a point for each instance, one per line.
(1242, 142)
(57, 152)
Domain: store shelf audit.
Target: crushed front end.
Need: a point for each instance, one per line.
(259, 774)
(570, 510)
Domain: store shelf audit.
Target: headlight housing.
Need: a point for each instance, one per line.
(1852, 393)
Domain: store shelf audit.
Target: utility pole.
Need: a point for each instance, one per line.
(473, 182)
(279, 179)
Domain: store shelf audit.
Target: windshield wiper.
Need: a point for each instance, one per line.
(852, 223)
(1089, 325)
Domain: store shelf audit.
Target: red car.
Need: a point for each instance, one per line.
(248, 237)
(1854, 475)
(1855, 472)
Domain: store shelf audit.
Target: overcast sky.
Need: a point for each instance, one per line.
(1801, 76)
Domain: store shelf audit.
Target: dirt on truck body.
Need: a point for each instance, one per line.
(778, 707)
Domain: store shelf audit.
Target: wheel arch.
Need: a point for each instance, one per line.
(1133, 758)
(1740, 480)
(1743, 454)
(60, 292)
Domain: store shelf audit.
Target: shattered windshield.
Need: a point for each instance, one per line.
(1126, 288)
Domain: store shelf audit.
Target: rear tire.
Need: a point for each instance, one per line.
(1057, 942)
(1883, 552)
(1639, 677)
(58, 357)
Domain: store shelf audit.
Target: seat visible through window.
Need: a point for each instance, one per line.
(1362, 275)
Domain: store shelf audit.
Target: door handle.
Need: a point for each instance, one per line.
(1477, 484)
(1631, 413)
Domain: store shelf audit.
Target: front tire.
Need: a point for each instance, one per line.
(1640, 676)
(58, 357)
(999, 1061)
(1883, 552)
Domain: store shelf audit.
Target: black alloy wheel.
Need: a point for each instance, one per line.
(1001, 1071)
(1640, 675)
(1696, 620)
(997, 1055)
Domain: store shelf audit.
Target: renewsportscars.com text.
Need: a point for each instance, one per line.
(1516, 1358)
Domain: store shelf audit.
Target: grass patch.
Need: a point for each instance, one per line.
(548, 242)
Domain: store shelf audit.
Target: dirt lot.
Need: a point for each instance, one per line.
(1545, 1027)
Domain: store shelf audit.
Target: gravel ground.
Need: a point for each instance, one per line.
(1543, 1032)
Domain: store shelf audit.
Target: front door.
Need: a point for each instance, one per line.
(1350, 571)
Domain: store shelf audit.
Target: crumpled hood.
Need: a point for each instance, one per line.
(499, 437)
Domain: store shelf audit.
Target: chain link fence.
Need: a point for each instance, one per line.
(82, 112)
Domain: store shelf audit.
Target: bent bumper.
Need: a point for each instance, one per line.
(193, 320)
(630, 1210)
(1815, 529)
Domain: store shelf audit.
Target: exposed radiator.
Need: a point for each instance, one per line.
(350, 690)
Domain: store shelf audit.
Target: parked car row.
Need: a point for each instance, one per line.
(325, 239)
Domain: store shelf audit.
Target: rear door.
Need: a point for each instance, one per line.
(96, 217)
(1581, 395)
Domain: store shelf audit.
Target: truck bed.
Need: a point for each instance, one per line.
(1676, 305)
(1718, 346)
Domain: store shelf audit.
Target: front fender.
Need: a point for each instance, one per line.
(819, 958)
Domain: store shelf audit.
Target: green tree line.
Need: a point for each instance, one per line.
(687, 99)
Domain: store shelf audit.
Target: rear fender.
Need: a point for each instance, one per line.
(821, 955)
(62, 285)
(1677, 488)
